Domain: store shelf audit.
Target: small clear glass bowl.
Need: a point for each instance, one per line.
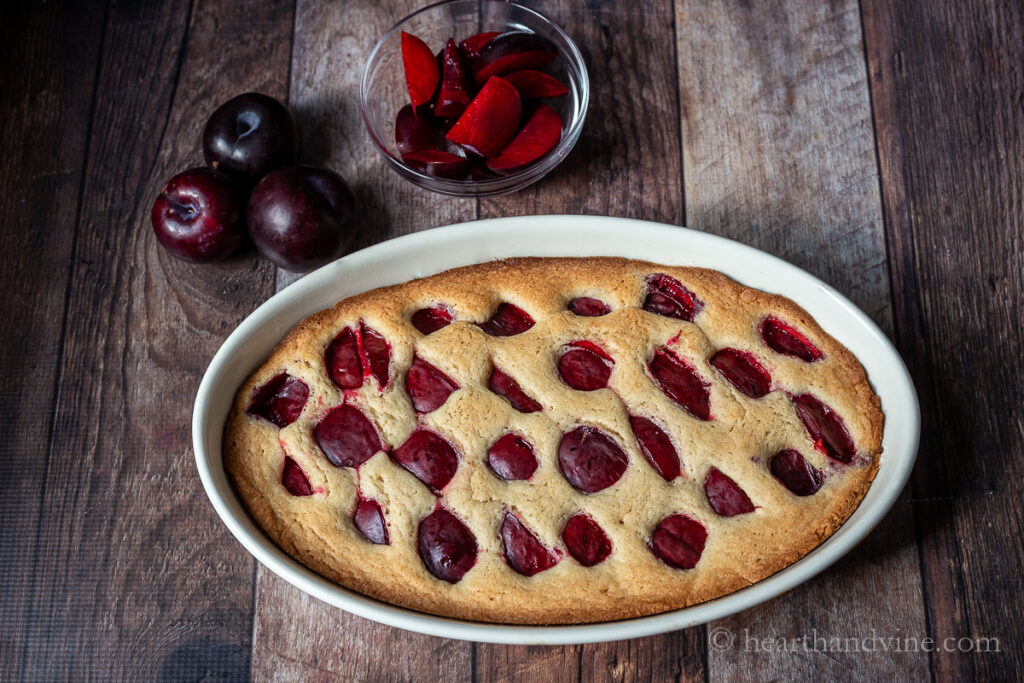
(383, 92)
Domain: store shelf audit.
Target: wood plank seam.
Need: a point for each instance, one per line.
(59, 375)
(682, 159)
(911, 300)
(291, 63)
(888, 231)
(180, 63)
(890, 235)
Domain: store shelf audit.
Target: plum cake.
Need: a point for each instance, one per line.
(554, 440)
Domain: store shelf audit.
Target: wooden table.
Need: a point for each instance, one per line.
(878, 145)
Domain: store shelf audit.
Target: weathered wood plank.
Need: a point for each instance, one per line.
(299, 638)
(296, 637)
(626, 163)
(947, 92)
(135, 578)
(526, 663)
(778, 153)
(48, 58)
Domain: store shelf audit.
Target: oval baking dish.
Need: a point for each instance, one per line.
(432, 251)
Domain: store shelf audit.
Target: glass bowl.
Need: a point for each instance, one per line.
(383, 92)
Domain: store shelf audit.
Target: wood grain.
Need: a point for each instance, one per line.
(948, 93)
(45, 95)
(626, 163)
(296, 637)
(135, 578)
(778, 153)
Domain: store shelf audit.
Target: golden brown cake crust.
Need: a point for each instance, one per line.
(318, 531)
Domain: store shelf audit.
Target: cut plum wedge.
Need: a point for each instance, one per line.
(795, 473)
(436, 164)
(681, 383)
(678, 541)
(280, 400)
(510, 52)
(421, 72)
(430, 320)
(447, 546)
(511, 458)
(344, 362)
(376, 354)
(415, 133)
(589, 307)
(656, 447)
(471, 46)
(743, 371)
(353, 355)
(505, 386)
(490, 121)
(428, 457)
(787, 340)
(585, 540)
(585, 366)
(826, 428)
(590, 459)
(507, 321)
(536, 85)
(347, 437)
(369, 519)
(668, 297)
(540, 134)
(456, 81)
(427, 386)
(524, 552)
(726, 497)
(294, 479)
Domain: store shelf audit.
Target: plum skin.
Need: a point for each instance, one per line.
(250, 135)
(301, 217)
(199, 216)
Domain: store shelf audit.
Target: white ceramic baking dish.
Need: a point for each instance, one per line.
(432, 251)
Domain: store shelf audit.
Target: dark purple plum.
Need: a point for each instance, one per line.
(200, 216)
(301, 217)
(251, 135)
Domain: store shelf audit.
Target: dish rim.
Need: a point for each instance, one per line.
(553, 235)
